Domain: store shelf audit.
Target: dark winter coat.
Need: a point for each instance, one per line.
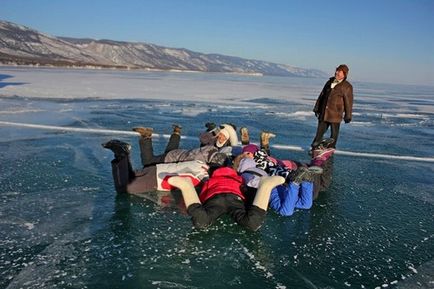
(335, 104)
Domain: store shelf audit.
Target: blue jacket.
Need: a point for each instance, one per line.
(284, 199)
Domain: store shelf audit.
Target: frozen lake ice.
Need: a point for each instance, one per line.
(63, 226)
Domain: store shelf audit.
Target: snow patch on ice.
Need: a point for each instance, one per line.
(302, 115)
(29, 226)
(19, 111)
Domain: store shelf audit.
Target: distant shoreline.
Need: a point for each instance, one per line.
(121, 68)
(117, 68)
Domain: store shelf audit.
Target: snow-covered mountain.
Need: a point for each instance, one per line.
(23, 45)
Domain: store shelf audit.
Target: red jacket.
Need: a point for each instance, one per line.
(223, 180)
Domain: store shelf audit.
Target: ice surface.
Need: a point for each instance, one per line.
(107, 84)
(63, 226)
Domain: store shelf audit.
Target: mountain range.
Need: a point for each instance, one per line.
(25, 46)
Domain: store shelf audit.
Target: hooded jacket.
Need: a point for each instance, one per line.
(250, 173)
(285, 199)
(335, 104)
(223, 180)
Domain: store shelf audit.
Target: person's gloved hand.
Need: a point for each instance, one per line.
(210, 126)
(347, 120)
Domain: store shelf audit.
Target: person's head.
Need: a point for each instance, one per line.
(236, 161)
(250, 150)
(222, 137)
(341, 72)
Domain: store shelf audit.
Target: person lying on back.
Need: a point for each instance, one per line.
(208, 154)
(151, 181)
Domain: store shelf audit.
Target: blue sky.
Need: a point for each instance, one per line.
(381, 41)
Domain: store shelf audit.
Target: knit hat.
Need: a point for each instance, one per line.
(344, 68)
(225, 132)
(250, 148)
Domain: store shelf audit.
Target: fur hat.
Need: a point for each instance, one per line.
(250, 148)
(344, 68)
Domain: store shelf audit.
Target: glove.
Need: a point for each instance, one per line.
(347, 120)
(210, 126)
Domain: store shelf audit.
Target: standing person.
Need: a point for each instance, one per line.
(334, 103)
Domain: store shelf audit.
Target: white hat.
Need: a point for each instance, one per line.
(225, 132)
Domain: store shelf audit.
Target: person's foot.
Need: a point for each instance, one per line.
(145, 132)
(265, 138)
(177, 128)
(326, 143)
(302, 174)
(119, 148)
(323, 154)
(316, 170)
(245, 139)
(323, 144)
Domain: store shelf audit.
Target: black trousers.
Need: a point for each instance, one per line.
(204, 215)
(147, 150)
(322, 181)
(322, 128)
(126, 180)
(123, 173)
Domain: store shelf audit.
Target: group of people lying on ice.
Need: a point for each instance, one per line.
(221, 177)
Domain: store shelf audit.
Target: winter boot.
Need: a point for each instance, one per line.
(177, 129)
(316, 170)
(319, 156)
(119, 148)
(145, 132)
(245, 139)
(323, 153)
(325, 143)
(265, 140)
(302, 174)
